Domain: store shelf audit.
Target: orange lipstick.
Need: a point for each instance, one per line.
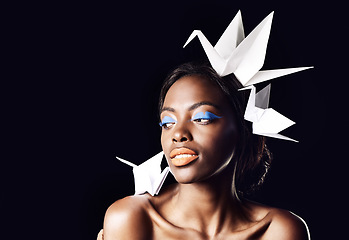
(182, 156)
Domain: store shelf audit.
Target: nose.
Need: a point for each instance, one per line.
(180, 139)
(181, 134)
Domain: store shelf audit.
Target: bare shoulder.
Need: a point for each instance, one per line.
(287, 226)
(128, 219)
(282, 224)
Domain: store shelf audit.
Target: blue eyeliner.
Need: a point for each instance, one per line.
(206, 116)
(166, 120)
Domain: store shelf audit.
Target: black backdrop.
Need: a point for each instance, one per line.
(83, 87)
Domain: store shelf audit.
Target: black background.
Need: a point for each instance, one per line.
(82, 87)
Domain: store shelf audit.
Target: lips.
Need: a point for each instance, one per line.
(182, 156)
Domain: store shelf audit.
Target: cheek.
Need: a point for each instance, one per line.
(218, 144)
(162, 140)
(165, 142)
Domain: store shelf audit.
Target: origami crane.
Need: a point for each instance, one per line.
(148, 176)
(233, 53)
(244, 57)
(265, 121)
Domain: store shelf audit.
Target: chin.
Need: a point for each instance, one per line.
(191, 174)
(186, 174)
(196, 173)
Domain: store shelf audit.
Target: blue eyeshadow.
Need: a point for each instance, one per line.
(206, 115)
(167, 119)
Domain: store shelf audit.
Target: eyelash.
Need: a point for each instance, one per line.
(167, 120)
(203, 121)
(204, 118)
(207, 118)
(165, 125)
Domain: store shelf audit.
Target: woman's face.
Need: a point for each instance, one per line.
(199, 130)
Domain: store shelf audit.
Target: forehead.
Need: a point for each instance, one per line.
(193, 89)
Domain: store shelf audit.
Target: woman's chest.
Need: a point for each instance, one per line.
(256, 232)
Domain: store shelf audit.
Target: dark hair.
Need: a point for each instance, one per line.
(252, 156)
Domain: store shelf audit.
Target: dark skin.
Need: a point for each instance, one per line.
(202, 204)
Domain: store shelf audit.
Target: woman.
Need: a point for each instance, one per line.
(215, 159)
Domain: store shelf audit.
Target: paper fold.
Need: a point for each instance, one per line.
(233, 53)
(148, 176)
(244, 57)
(265, 121)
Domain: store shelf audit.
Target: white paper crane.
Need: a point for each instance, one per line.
(242, 56)
(265, 121)
(148, 176)
(233, 53)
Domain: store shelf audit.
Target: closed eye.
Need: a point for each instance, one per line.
(204, 118)
(167, 122)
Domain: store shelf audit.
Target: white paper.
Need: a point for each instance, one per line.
(148, 176)
(242, 56)
(233, 53)
(265, 121)
(232, 37)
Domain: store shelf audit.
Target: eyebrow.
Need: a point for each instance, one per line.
(199, 104)
(167, 109)
(192, 107)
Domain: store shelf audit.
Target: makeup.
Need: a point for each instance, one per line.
(167, 120)
(205, 116)
(182, 156)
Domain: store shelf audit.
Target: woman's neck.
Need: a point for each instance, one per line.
(207, 206)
